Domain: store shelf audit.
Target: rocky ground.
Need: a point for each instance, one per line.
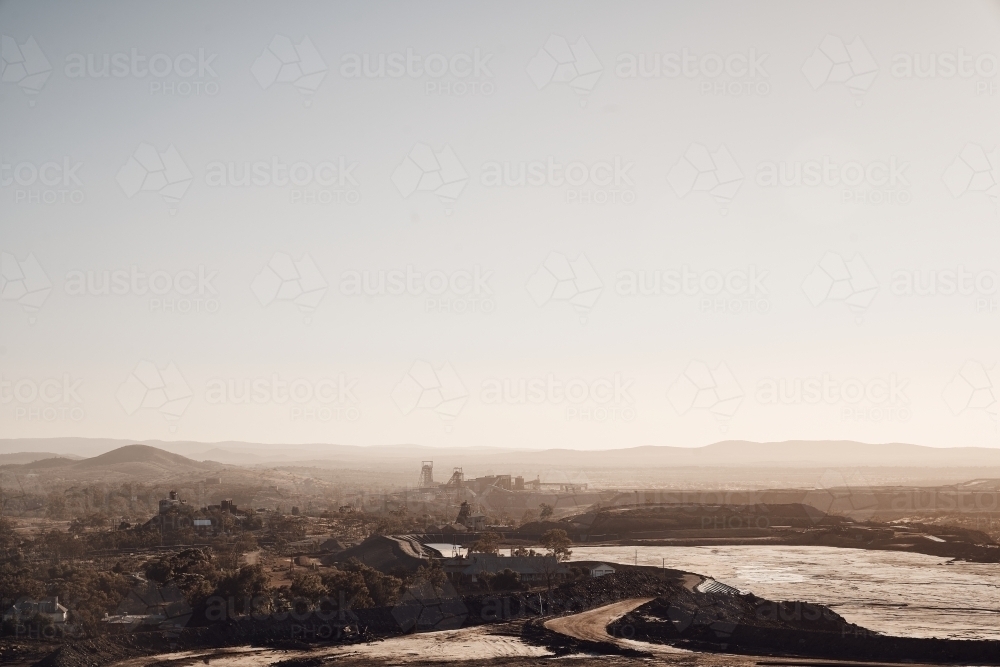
(746, 624)
(703, 628)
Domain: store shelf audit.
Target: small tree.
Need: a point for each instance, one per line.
(507, 580)
(488, 543)
(558, 543)
(308, 586)
(546, 511)
(433, 574)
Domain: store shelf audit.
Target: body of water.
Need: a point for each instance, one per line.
(448, 550)
(905, 594)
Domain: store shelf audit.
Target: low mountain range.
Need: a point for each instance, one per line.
(725, 454)
(137, 461)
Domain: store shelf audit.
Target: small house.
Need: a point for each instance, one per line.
(26, 608)
(601, 569)
(475, 522)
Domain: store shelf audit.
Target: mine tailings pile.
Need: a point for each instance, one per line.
(733, 623)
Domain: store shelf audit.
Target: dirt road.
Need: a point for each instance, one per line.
(591, 625)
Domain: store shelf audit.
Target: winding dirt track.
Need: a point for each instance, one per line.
(478, 645)
(591, 625)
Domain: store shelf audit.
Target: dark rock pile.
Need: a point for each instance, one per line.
(755, 626)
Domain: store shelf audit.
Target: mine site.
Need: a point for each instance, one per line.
(463, 333)
(142, 556)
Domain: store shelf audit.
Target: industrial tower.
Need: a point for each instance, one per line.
(426, 474)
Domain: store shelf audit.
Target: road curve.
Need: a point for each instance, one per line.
(591, 625)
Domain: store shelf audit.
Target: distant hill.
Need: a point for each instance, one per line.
(138, 454)
(726, 454)
(48, 464)
(20, 458)
(792, 453)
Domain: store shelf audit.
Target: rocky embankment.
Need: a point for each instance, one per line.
(733, 623)
(687, 611)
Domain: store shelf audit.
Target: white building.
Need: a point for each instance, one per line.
(601, 569)
(26, 608)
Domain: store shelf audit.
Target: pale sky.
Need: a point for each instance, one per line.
(763, 221)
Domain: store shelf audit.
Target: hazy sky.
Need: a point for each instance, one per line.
(561, 224)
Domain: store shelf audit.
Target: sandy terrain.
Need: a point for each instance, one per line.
(482, 645)
(477, 643)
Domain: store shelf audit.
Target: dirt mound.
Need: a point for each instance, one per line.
(386, 554)
(535, 529)
(627, 582)
(755, 626)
